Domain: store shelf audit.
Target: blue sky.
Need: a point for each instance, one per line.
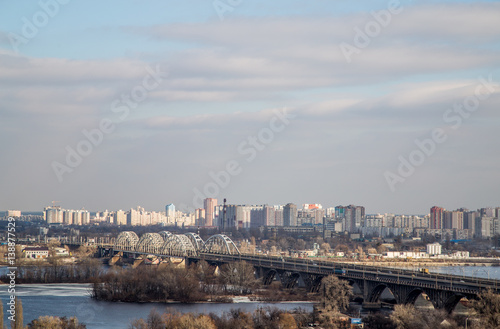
(357, 117)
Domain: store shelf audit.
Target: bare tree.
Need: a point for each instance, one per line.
(53, 244)
(239, 275)
(335, 295)
(189, 321)
(300, 245)
(325, 248)
(488, 308)
(52, 322)
(381, 249)
(408, 317)
(342, 248)
(138, 324)
(154, 320)
(286, 321)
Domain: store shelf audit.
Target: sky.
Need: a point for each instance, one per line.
(393, 105)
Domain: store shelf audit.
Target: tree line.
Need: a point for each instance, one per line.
(262, 318)
(329, 313)
(198, 282)
(55, 271)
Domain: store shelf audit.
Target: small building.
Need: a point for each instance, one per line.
(434, 249)
(13, 213)
(405, 254)
(309, 253)
(460, 254)
(62, 252)
(36, 252)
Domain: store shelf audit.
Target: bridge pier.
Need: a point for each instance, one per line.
(407, 294)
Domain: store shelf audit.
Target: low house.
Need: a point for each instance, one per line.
(405, 254)
(36, 252)
(61, 252)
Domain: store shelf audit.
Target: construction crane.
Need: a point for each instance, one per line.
(54, 203)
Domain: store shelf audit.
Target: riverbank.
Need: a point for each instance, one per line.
(494, 262)
(68, 300)
(152, 284)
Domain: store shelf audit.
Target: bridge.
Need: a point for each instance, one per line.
(443, 290)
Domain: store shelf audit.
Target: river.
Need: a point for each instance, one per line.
(485, 272)
(73, 300)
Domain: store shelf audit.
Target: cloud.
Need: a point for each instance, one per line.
(269, 55)
(225, 79)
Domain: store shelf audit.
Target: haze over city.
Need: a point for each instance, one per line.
(392, 105)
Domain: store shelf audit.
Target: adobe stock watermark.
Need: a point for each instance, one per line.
(425, 148)
(372, 29)
(224, 6)
(40, 19)
(250, 148)
(94, 137)
(88, 310)
(11, 267)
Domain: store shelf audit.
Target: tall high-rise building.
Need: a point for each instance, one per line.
(488, 212)
(209, 204)
(352, 217)
(77, 217)
(310, 216)
(290, 215)
(255, 215)
(120, 218)
(134, 217)
(330, 212)
(437, 218)
(470, 220)
(231, 216)
(483, 226)
(68, 217)
(53, 214)
(457, 220)
(199, 217)
(453, 220)
(278, 215)
(269, 216)
(446, 220)
(85, 217)
(170, 211)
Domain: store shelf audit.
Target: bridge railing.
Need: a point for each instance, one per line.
(445, 281)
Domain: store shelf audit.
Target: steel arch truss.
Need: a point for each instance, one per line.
(150, 243)
(165, 235)
(126, 241)
(221, 244)
(178, 245)
(197, 242)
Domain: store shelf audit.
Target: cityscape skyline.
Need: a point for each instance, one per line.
(187, 210)
(209, 204)
(459, 224)
(165, 208)
(389, 104)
